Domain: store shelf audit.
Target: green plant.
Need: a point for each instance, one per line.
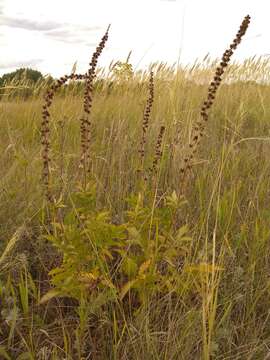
(101, 256)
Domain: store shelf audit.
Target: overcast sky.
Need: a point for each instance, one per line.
(50, 35)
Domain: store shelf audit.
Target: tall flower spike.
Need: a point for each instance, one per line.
(158, 151)
(45, 129)
(88, 99)
(146, 117)
(199, 127)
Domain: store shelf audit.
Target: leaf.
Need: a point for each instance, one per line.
(172, 200)
(134, 237)
(181, 232)
(125, 289)
(133, 232)
(175, 201)
(87, 277)
(129, 267)
(49, 295)
(103, 216)
(170, 253)
(56, 271)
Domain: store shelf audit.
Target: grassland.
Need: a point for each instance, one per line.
(215, 304)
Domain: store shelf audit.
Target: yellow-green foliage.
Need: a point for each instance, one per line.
(141, 254)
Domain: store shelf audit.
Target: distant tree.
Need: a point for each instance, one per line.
(21, 74)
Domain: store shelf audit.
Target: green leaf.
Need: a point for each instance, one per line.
(133, 232)
(56, 271)
(180, 236)
(172, 200)
(129, 267)
(134, 237)
(103, 216)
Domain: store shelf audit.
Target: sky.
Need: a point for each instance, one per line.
(52, 35)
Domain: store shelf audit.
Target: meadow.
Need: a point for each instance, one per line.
(134, 218)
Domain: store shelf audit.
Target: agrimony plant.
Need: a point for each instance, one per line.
(200, 126)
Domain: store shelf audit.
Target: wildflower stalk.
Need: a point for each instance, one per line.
(146, 117)
(200, 126)
(158, 151)
(45, 131)
(88, 99)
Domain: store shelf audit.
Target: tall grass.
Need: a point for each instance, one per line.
(218, 307)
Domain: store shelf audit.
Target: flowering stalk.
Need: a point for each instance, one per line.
(158, 151)
(146, 116)
(200, 125)
(45, 130)
(88, 99)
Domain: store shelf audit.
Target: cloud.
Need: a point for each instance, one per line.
(72, 34)
(20, 64)
(90, 44)
(28, 24)
(64, 32)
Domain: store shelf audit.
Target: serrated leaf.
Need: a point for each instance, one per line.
(182, 231)
(180, 236)
(133, 232)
